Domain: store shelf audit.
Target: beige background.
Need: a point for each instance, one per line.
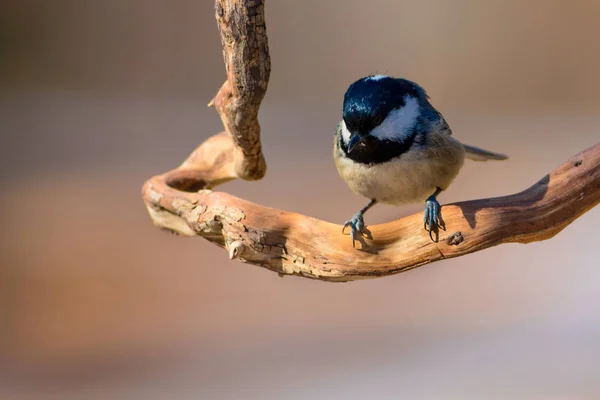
(97, 96)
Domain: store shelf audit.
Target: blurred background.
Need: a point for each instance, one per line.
(95, 302)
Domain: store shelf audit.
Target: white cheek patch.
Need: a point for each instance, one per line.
(345, 133)
(399, 121)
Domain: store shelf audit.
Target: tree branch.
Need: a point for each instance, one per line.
(248, 66)
(182, 201)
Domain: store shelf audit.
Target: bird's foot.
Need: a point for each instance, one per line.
(432, 220)
(357, 227)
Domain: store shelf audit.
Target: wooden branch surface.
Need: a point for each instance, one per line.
(291, 243)
(248, 66)
(182, 201)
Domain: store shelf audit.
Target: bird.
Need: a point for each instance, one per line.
(392, 146)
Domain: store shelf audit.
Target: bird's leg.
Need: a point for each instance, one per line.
(432, 219)
(357, 223)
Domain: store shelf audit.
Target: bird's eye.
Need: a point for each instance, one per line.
(376, 120)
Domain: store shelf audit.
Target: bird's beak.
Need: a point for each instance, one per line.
(355, 140)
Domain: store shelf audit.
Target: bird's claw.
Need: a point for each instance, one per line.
(357, 227)
(432, 220)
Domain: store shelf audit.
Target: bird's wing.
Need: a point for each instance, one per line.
(441, 125)
(471, 152)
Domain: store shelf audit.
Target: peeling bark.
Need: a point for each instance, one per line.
(248, 67)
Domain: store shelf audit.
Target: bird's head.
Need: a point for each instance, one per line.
(380, 114)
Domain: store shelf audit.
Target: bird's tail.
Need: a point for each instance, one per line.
(477, 154)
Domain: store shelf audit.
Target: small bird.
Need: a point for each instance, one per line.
(393, 147)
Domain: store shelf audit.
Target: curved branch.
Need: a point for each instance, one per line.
(182, 202)
(290, 243)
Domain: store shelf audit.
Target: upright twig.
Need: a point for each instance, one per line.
(248, 67)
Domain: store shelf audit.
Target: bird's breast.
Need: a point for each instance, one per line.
(409, 178)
